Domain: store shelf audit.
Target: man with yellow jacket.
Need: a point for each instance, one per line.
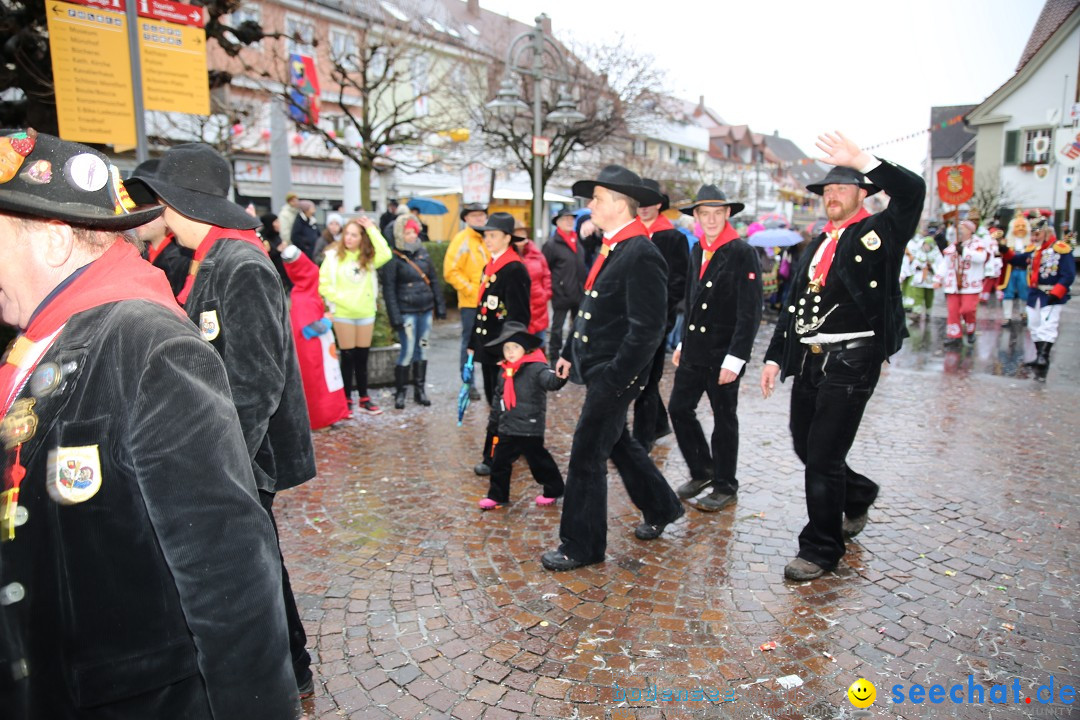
(463, 268)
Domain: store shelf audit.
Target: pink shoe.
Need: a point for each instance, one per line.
(489, 504)
(543, 500)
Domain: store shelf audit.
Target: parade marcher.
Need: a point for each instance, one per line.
(566, 259)
(136, 564)
(993, 263)
(234, 296)
(518, 416)
(615, 336)
(723, 313)
(463, 266)
(412, 292)
(1051, 270)
(1013, 285)
(349, 282)
(324, 386)
(305, 231)
(921, 272)
(161, 248)
(505, 289)
(965, 263)
(650, 416)
(843, 319)
(287, 215)
(539, 281)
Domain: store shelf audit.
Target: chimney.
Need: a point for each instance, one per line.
(701, 103)
(545, 22)
(473, 7)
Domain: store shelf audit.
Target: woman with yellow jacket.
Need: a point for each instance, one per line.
(348, 283)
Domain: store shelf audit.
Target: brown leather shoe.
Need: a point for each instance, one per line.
(799, 569)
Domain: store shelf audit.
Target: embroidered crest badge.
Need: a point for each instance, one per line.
(493, 301)
(871, 240)
(209, 325)
(75, 474)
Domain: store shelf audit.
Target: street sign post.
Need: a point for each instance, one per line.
(172, 47)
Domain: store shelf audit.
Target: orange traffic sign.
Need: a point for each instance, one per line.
(91, 71)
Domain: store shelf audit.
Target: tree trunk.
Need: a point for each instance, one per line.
(365, 186)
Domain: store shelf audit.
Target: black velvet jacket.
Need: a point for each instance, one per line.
(160, 595)
(621, 321)
(673, 246)
(867, 262)
(175, 262)
(568, 272)
(239, 305)
(505, 299)
(723, 308)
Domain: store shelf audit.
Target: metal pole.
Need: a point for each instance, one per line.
(280, 163)
(1057, 165)
(142, 152)
(538, 161)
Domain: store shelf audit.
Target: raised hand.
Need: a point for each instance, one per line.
(839, 150)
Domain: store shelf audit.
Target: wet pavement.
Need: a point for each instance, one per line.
(417, 604)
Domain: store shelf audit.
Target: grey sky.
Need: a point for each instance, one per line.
(869, 69)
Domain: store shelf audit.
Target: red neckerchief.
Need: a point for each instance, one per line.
(634, 229)
(216, 233)
(493, 267)
(119, 274)
(708, 249)
(152, 253)
(821, 270)
(570, 238)
(510, 369)
(660, 223)
(1036, 260)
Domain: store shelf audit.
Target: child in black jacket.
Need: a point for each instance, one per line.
(518, 414)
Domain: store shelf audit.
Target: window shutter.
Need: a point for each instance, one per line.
(1012, 146)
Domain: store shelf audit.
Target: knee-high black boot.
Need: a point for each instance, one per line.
(1042, 362)
(401, 377)
(419, 377)
(360, 361)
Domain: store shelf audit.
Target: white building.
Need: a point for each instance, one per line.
(1024, 124)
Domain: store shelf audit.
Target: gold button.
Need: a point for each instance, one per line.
(791, 308)
(815, 308)
(873, 283)
(704, 306)
(584, 338)
(580, 313)
(802, 301)
(702, 328)
(577, 334)
(588, 316)
(858, 258)
(815, 349)
(817, 298)
(708, 284)
(692, 328)
(595, 293)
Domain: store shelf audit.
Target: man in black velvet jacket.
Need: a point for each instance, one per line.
(234, 295)
(138, 573)
(844, 318)
(616, 333)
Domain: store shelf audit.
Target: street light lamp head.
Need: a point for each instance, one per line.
(507, 103)
(565, 112)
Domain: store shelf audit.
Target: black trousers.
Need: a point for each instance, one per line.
(301, 659)
(828, 398)
(650, 416)
(558, 319)
(541, 465)
(720, 461)
(602, 433)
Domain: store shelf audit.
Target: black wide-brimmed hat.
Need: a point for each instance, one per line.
(193, 179)
(843, 176)
(472, 207)
(621, 180)
(654, 185)
(45, 177)
(503, 222)
(712, 196)
(564, 212)
(513, 331)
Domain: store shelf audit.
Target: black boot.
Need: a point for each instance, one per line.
(419, 369)
(345, 358)
(401, 378)
(1042, 362)
(1038, 355)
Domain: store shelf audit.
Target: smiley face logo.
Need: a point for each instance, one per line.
(862, 693)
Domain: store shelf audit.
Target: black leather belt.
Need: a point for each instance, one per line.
(820, 348)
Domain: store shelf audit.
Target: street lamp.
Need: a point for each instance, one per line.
(508, 103)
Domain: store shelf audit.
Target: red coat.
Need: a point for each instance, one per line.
(540, 290)
(319, 368)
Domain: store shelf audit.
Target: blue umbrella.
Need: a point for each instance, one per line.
(427, 206)
(463, 394)
(778, 237)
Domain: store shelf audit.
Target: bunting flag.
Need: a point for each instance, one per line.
(303, 89)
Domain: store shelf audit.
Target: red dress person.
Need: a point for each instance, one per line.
(324, 387)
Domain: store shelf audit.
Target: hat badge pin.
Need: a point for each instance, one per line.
(209, 325)
(871, 240)
(76, 474)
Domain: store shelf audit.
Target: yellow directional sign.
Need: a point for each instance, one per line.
(172, 47)
(91, 73)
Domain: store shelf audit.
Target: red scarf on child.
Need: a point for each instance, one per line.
(216, 233)
(510, 369)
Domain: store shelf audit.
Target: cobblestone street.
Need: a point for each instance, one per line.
(417, 604)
